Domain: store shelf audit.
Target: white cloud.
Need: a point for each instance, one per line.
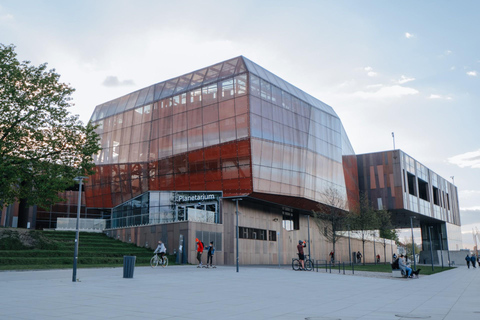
(468, 159)
(438, 96)
(409, 35)
(472, 73)
(453, 68)
(448, 52)
(370, 71)
(403, 79)
(113, 81)
(476, 208)
(385, 92)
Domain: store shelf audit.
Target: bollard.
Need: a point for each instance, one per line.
(326, 266)
(353, 268)
(338, 267)
(128, 266)
(330, 267)
(344, 268)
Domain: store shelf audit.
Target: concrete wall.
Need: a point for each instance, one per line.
(251, 251)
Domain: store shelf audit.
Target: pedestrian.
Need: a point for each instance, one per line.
(467, 258)
(301, 255)
(359, 257)
(332, 257)
(199, 252)
(210, 252)
(473, 259)
(404, 267)
(378, 258)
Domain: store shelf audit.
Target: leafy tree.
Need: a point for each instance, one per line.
(42, 146)
(409, 249)
(331, 216)
(386, 230)
(364, 220)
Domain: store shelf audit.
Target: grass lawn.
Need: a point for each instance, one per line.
(426, 269)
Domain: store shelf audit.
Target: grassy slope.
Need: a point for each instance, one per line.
(22, 249)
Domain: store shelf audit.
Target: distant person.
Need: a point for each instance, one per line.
(332, 257)
(473, 259)
(210, 253)
(467, 258)
(378, 258)
(161, 249)
(394, 256)
(301, 255)
(404, 267)
(199, 252)
(359, 257)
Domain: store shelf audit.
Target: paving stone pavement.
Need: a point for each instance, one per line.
(187, 292)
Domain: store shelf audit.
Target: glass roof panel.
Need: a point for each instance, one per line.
(228, 68)
(169, 88)
(197, 78)
(241, 68)
(141, 97)
(149, 98)
(183, 83)
(122, 104)
(158, 90)
(131, 100)
(112, 107)
(212, 73)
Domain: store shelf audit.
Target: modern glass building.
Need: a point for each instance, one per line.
(415, 195)
(232, 129)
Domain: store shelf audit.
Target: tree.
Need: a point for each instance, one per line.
(409, 249)
(386, 230)
(331, 216)
(364, 220)
(42, 146)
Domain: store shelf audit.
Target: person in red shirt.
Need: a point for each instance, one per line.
(199, 252)
(301, 255)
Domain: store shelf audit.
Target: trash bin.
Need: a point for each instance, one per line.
(128, 266)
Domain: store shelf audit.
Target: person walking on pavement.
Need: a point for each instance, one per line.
(473, 259)
(199, 252)
(467, 258)
(210, 252)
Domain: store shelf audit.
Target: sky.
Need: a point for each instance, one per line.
(408, 67)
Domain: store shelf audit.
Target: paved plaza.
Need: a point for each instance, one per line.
(186, 292)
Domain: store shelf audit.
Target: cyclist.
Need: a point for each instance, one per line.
(161, 249)
(301, 255)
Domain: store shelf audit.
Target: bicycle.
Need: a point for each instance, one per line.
(307, 263)
(157, 260)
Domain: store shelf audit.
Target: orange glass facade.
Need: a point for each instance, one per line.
(232, 127)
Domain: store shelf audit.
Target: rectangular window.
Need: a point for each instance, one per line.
(290, 219)
(422, 189)
(272, 235)
(411, 184)
(252, 233)
(436, 199)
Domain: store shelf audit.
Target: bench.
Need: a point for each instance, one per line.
(397, 273)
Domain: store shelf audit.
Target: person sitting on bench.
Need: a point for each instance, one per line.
(407, 270)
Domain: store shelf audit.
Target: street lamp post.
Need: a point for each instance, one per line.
(413, 245)
(431, 249)
(75, 254)
(349, 248)
(441, 247)
(308, 224)
(236, 213)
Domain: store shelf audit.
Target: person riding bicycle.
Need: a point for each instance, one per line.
(301, 255)
(161, 249)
